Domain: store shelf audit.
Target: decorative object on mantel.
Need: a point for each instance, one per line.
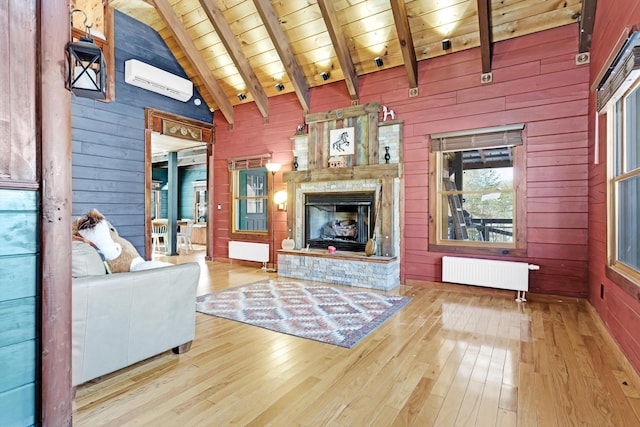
(390, 141)
(386, 113)
(331, 249)
(337, 162)
(317, 312)
(341, 141)
(288, 244)
(180, 130)
(300, 152)
(301, 129)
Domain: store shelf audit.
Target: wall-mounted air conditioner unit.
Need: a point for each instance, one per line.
(148, 77)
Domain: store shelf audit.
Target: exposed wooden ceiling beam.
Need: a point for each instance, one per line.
(587, 19)
(195, 58)
(406, 41)
(484, 23)
(340, 46)
(281, 43)
(231, 43)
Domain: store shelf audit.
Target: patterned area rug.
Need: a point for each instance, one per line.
(318, 312)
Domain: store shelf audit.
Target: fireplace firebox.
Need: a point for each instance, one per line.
(342, 220)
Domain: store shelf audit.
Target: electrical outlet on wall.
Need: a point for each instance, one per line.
(486, 78)
(583, 58)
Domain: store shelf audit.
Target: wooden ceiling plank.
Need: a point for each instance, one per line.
(587, 18)
(183, 39)
(406, 41)
(288, 59)
(234, 49)
(340, 46)
(484, 23)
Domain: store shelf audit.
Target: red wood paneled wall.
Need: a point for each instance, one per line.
(535, 81)
(619, 310)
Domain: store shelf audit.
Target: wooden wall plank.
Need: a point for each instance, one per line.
(17, 406)
(21, 95)
(18, 366)
(18, 276)
(18, 318)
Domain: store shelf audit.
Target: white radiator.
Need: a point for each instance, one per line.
(489, 273)
(249, 251)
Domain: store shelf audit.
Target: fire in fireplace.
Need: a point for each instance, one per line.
(343, 220)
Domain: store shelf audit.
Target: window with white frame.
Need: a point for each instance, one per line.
(619, 97)
(474, 187)
(249, 192)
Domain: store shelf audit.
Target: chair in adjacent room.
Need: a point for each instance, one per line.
(158, 235)
(184, 235)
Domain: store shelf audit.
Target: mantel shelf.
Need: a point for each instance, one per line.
(339, 174)
(344, 255)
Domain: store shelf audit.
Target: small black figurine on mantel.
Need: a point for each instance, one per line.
(295, 163)
(387, 156)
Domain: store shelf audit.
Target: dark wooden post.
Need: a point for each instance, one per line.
(55, 184)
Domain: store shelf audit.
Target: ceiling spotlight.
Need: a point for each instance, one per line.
(378, 61)
(242, 96)
(279, 87)
(446, 44)
(325, 75)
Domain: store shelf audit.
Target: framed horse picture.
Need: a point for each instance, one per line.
(341, 142)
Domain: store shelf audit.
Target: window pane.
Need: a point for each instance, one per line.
(479, 204)
(251, 200)
(627, 224)
(617, 136)
(632, 109)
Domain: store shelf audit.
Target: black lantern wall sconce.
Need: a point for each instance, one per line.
(87, 67)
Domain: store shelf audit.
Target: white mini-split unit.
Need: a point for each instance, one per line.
(151, 78)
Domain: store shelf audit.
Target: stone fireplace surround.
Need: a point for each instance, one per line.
(380, 271)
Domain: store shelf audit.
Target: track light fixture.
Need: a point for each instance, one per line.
(279, 87)
(378, 61)
(242, 96)
(325, 75)
(446, 44)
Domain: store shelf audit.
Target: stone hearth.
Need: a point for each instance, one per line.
(381, 273)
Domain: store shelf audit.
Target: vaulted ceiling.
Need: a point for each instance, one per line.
(251, 47)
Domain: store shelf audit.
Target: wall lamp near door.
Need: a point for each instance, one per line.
(280, 199)
(87, 67)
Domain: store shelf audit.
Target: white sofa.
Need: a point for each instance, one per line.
(120, 319)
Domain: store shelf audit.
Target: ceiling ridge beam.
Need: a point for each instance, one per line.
(282, 45)
(406, 41)
(231, 43)
(192, 53)
(340, 46)
(484, 24)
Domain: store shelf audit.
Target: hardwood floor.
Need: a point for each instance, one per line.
(454, 356)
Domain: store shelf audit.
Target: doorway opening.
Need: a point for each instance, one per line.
(179, 161)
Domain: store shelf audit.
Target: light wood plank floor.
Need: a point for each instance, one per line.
(455, 356)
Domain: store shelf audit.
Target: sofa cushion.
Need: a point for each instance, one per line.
(85, 260)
